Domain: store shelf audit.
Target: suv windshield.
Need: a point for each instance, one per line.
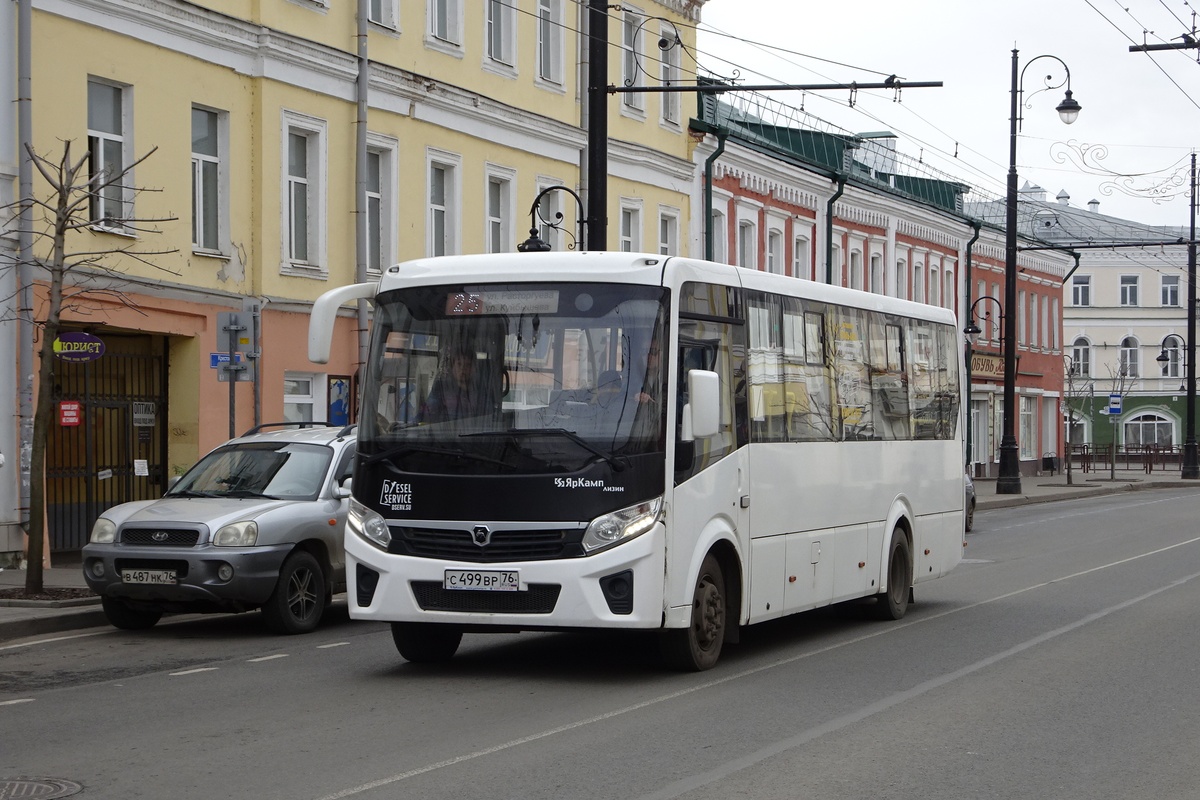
(514, 378)
(282, 470)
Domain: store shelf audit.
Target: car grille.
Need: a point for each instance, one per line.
(504, 545)
(160, 537)
(539, 599)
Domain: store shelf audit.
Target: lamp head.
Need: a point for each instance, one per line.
(972, 330)
(533, 244)
(1068, 110)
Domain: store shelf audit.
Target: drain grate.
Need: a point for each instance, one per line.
(37, 788)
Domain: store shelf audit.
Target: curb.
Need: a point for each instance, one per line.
(1095, 490)
(56, 621)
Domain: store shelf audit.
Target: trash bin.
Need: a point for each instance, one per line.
(1050, 463)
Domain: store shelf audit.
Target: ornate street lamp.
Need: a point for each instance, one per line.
(535, 243)
(972, 332)
(1009, 479)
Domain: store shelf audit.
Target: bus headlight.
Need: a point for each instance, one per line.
(103, 532)
(620, 526)
(368, 525)
(239, 534)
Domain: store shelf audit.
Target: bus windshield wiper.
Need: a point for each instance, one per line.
(617, 463)
(392, 452)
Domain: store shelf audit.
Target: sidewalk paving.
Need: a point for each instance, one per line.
(20, 619)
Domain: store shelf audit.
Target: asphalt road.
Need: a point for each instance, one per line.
(1060, 660)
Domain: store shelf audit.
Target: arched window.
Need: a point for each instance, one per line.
(1149, 429)
(1130, 357)
(1081, 358)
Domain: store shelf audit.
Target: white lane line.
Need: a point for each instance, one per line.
(267, 658)
(833, 725)
(55, 639)
(335, 644)
(16, 702)
(192, 671)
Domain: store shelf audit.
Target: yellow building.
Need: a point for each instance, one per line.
(290, 148)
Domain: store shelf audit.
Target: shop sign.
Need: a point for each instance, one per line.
(78, 346)
(987, 366)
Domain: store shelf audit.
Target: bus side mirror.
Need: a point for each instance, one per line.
(702, 414)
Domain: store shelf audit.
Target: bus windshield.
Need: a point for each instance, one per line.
(515, 378)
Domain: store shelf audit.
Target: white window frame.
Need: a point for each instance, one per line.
(1169, 296)
(550, 205)
(549, 72)
(935, 286)
(1028, 426)
(451, 206)
(382, 13)
(669, 72)
(668, 231)
(747, 244)
(1081, 357)
(1129, 290)
(1131, 357)
(385, 239)
(1081, 291)
(949, 295)
(801, 257)
(116, 200)
(630, 225)
(719, 223)
(775, 263)
(205, 241)
(1173, 368)
(875, 274)
(632, 75)
(448, 38)
(918, 282)
(314, 131)
(498, 222)
(500, 36)
(313, 400)
(902, 284)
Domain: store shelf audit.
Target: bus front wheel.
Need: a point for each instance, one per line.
(892, 603)
(698, 646)
(423, 643)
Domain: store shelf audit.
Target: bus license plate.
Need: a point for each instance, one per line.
(166, 576)
(487, 580)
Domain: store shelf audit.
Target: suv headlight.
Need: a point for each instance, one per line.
(103, 532)
(620, 526)
(238, 534)
(368, 525)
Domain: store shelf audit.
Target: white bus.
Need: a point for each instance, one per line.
(613, 440)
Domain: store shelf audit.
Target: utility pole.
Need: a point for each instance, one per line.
(597, 133)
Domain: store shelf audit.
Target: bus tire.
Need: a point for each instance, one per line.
(892, 603)
(698, 646)
(426, 643)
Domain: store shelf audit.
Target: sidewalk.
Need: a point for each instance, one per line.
(25, 618)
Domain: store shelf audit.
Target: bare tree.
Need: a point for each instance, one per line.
(1122, 383)
(76, 274)
(1078, 388)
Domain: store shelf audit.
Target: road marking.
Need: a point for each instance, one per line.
(55, 639)
(16, 702)
(682, 787)
(268, 658)
(335, 644)
(192, 671)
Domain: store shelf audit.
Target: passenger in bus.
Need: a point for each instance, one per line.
(458, 391)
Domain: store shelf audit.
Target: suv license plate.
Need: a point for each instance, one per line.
(148, 576)
(487, 580)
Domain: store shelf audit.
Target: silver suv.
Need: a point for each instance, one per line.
(257, 523)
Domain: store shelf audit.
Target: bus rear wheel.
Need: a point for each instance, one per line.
(424, 643)
(893, 603)
(698, 646)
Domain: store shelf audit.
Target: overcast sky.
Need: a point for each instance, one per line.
(1142, 108)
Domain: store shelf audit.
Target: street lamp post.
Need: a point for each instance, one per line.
(1185, 355)
(972, 331)
(1190, 469)
(1009, 479)
(535, 243)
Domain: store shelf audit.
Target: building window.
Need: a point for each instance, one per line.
(901, 279)
(374, 212)
(1129, 290)
(856, 281)
(668, 233)
(1054, 327)
(108, 154)
(304, 199)
(669, 73)
(935, 285)
(918, 283)
(1081, 290)
(1170, 290)
(208, 179)
(1022, 320)
(1149, 429)
(548, 210)
(719, 236)
(298, 396)
(876, 286)
(498, 233)
(382, 12)
(500, 31)
(775, 252)
(948, 296)
(747, 245)
(381, 201)
(1130, 357)
(1028, 433)
(550, 41)
(631, 225)
(444, 21)
(1033, 319)
(1172, 367)
(801, 258)
(1081, 358)
(442, 227)
(631, 63)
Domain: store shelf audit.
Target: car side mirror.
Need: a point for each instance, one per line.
(702, 414)
(343, 490)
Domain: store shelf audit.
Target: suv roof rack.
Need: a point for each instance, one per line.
(302, 424)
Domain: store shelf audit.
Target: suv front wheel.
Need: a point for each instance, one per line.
(129, 617)
(299, 599)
